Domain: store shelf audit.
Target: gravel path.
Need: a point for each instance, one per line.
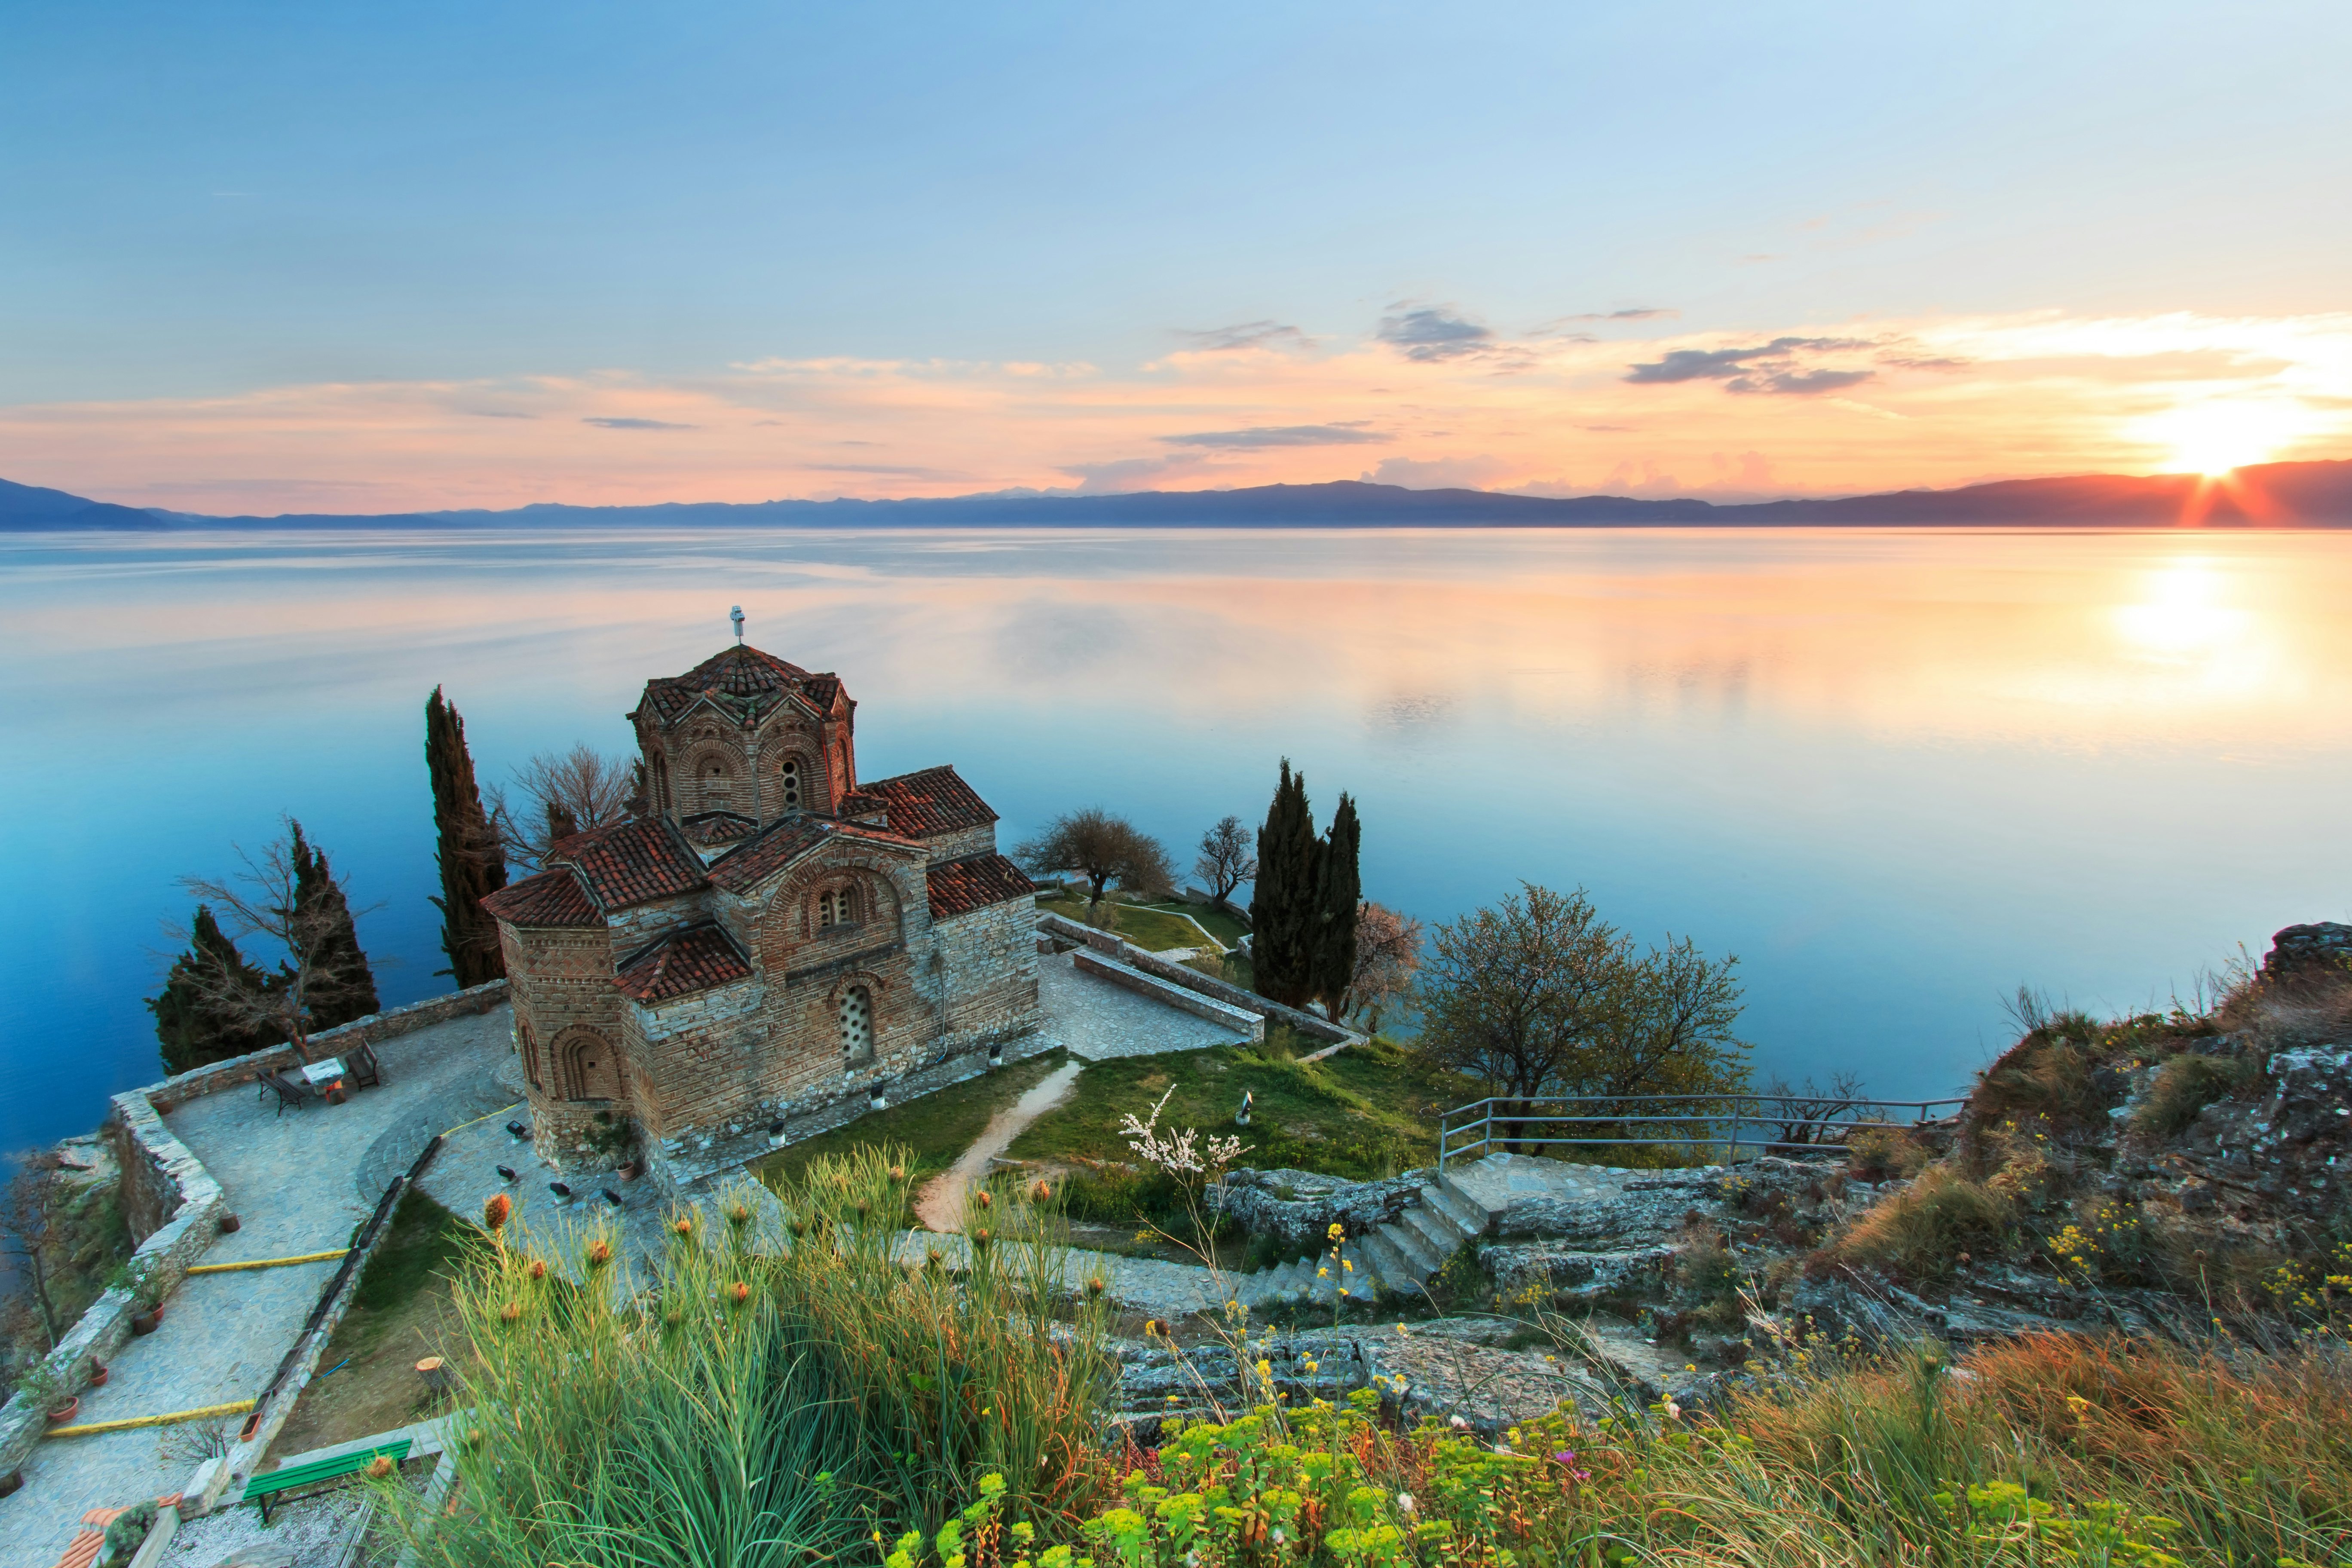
(297, 1183)
(939, 1205)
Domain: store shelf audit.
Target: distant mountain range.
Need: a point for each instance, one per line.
(2296, 495)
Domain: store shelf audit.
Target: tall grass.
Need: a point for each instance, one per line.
(2057, 1450)
(767, 1399)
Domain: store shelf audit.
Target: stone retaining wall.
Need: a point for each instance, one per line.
(184, 1206)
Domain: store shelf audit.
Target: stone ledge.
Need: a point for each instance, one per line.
(213, 1077)
(1061, 928)
(1250, 1026)
(194, 1224)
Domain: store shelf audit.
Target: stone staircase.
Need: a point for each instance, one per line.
(1396, 1258)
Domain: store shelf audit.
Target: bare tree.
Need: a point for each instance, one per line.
(1102, 848)
(1228, 858)
(264, 900)
(30, 1208)
(1804, 1116)
(561, 796)
(1388, 957)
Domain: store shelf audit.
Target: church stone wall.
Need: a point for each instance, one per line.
(981, 840)
(988, 963)
(697, 1059)
(557, 979)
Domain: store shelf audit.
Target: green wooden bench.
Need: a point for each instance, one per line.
(263, 1489)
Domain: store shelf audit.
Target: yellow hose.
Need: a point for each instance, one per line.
(268, 1262)
(90, 1429)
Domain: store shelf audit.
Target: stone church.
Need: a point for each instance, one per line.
(773, 947)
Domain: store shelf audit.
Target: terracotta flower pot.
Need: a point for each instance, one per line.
(99, 1372)
(64, 1410)
(146, 1321)
(229, 1224)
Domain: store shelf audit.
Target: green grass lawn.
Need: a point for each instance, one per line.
(1364, 1113)
(1154, 931)
(1218, 923)
(935, 1128)
(400, 1312)
(425, 1240)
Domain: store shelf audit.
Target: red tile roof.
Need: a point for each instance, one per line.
(783, 842)
(974, 882)
(744, 679)
(633, 863)
(708, 828)
(552, 898)
(929, 804)
(694, 959)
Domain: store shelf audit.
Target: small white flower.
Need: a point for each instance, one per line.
(1404, 1501)
(1460, 1424)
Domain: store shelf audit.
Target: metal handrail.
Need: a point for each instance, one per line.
(1731, 1112)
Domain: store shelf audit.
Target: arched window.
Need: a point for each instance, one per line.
(836, 906)
(789, 776)
(856, 1026)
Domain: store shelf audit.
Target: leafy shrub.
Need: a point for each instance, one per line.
(125, 1534)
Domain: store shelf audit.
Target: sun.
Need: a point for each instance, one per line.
(2216, 437)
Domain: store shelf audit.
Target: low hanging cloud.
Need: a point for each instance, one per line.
(1432, 333)
(637, 425)
(1769, 368)
(1262, 436)
(1246, 336)
(1125, 474)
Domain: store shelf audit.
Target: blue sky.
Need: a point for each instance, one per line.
(209, 213)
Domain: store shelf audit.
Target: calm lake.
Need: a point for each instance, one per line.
(1897, 774)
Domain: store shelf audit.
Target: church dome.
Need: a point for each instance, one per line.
(742, 679)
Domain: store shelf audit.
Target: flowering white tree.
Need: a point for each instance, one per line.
(1180, 1154)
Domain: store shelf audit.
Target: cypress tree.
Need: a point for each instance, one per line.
(1282, 914)
(192, 1030)
(472, 864)
(1338, 891)
(346, 987)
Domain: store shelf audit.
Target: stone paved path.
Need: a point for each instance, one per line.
(1095, 1020)
(298, 1183)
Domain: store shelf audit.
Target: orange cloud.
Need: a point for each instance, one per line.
(1437, 398)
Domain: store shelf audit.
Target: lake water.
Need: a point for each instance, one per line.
(1897, 774)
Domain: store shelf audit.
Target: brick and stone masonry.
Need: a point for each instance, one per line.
(773, 946)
